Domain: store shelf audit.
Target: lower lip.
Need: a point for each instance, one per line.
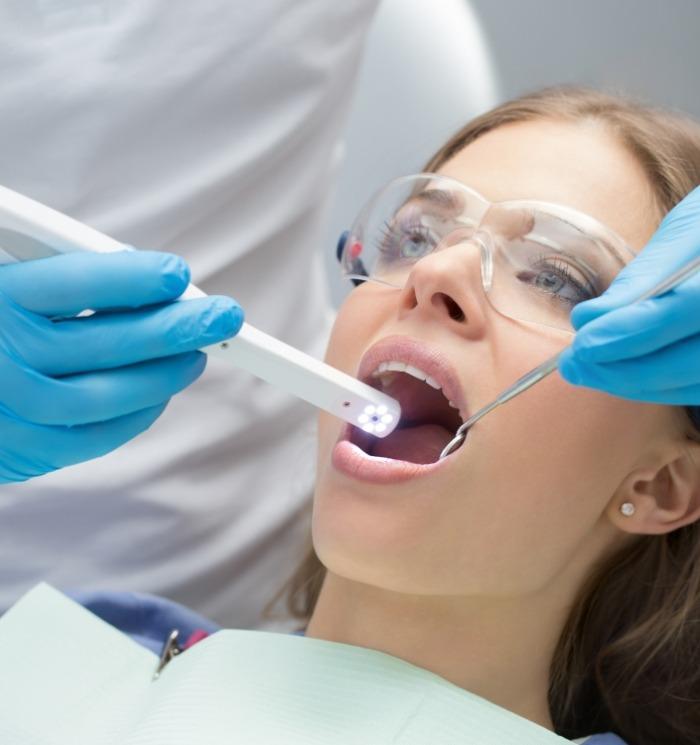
(353, 461)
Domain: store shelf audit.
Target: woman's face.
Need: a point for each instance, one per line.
(530, 491)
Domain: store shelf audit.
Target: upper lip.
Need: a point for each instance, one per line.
(430, 360)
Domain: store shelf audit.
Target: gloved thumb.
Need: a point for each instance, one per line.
(674, 244)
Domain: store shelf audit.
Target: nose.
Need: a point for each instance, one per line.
(446, 286)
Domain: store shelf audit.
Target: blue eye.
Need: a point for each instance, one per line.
(553, 277)
(406, 241)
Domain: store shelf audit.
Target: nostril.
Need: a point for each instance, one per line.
(452, 307)
(454, 310)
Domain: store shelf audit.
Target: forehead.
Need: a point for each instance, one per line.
(578, 165)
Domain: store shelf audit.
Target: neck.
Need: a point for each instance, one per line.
(499, 649)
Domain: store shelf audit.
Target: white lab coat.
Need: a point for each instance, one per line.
(209, 129)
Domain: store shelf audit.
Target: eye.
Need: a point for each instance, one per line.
(403, 240)
(553, 276)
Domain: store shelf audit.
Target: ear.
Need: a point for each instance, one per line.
(664, 498)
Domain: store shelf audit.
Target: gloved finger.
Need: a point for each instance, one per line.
(641, 328)
(115, 340)
(655, 377)
(674, 244)
(68, 284)
(96, 396)
(28, 450)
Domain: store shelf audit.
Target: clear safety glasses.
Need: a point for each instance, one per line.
(538, 260)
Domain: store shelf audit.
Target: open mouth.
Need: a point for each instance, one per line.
(428, 419)
(425, 383)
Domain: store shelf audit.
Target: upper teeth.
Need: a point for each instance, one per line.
(393, 366)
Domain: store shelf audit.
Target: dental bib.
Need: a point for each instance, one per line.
(68, 678)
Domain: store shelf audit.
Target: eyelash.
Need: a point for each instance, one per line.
(561, 268)
(387, 241)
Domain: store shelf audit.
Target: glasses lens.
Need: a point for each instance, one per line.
(545, 265)
(405, 222)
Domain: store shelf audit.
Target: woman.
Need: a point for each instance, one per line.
(552, 563)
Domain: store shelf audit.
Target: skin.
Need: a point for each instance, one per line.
(471, 572)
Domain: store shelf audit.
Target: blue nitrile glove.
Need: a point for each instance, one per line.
(649, 351)
(72, 389)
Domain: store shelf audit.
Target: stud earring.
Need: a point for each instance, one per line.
(627, 509)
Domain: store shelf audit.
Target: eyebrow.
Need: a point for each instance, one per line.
(437, 197)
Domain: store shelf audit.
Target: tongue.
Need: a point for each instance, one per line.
(420, 444)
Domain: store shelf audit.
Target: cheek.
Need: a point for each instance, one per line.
(358, 322)
(567, 435)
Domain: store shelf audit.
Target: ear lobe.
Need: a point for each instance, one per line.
(664, 499)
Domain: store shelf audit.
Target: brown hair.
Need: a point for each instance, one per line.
(628, 659)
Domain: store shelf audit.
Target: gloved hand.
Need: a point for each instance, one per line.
(72, 389)
(649, 351)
